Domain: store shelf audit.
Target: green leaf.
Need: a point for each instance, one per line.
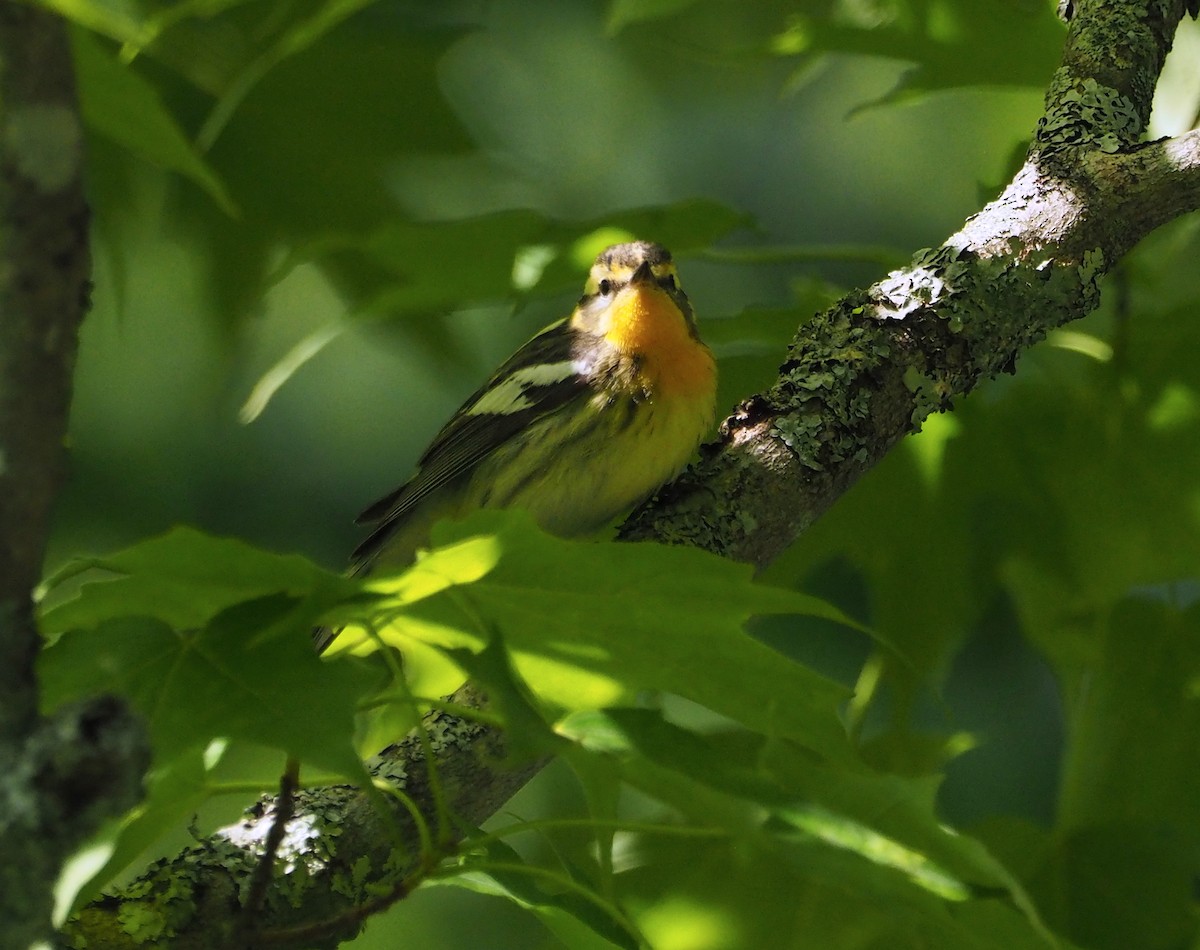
(117, 103)
(503, 872)
(683, 227)
(300, 34)
(220, 680)
(902, 752)
(1138, 767)
(109, 19)
(1121, 885)
(344, 110)
(890, 820)
(961, 43)
(185, 578)
(929, 534)
(622, 13)
(800, 892)
(427, 258)
(590, 623)
(408, 269)
(528, 735)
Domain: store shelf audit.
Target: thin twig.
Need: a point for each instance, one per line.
(285, 809)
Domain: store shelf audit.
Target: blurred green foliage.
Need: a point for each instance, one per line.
(318, 225)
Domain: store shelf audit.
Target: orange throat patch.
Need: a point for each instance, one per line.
(646, 324)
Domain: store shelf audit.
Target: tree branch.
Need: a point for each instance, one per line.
(857, 379)
(349, 848)
(866, 372)
(43, 287)
(58, 779)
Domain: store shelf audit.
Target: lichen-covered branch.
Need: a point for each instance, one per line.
(856, 380)
(59, 778)
(1147, 186)
(345, 853)
(865, 373)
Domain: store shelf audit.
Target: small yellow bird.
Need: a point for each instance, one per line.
(580, 424)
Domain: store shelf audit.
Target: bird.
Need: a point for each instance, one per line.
(584, 421)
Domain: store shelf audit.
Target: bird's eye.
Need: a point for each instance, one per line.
(605, 287)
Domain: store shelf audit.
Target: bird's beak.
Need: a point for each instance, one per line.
(643, 274)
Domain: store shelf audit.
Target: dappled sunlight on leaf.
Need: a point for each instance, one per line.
(682, 924)
(841, 832)
(598, 610)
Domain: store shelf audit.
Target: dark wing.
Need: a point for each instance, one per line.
(478, 429)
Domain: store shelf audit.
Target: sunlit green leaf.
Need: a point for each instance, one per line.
(586, 624)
